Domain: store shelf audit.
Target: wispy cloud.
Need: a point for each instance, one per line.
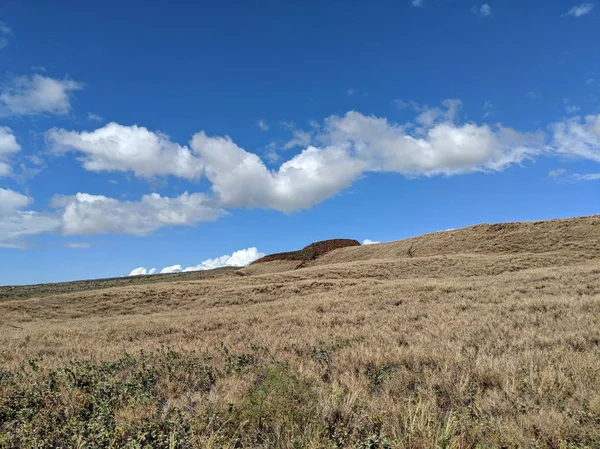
(78, 245)
(563, 175)
(580, 10)
(417, 3)
(262, 125)
(487, 109)
(401, 104)
(5, 31)
(94, 117)
(571, 109)
(350, 92)
(484, 10)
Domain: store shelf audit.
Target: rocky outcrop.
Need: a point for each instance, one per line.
(310, 252)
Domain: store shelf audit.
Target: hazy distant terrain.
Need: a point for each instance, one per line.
(483, 337)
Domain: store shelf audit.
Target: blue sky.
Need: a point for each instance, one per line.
(143, 134)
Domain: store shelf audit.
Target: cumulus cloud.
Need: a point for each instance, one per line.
(239, 258)
(342, 150)
(171, 269)
(241, 179)
(116, 147)
(345, 148)
(8, 146)
(369, 242)
(580, 10)
(438, 147)
(141, 271)
(85, 214)
(37, 94)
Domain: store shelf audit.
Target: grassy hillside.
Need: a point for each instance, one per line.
(487, 337)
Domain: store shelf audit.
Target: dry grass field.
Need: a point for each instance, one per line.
(487, 337)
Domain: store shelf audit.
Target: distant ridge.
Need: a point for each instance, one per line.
(579, 236)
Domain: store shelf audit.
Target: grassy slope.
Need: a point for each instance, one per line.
(488, 335)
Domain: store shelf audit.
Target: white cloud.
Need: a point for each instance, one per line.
(239, 258)
(262, 125)
(581, 10)
(171, 269)
(85, 214)
(116, 147)
(78, 245)
(15, 229)
(369, 242)
(350, 92)
(533, 95)
(354, 144)
(16, 224)
(8, 146)
(94, 117)
(11, 201)
(349, 146)
(439, 147)
(484, 10)
(240, 179)
(141, 271)
(577, 137)
(37, 94)
(417, 3)
(5, 169)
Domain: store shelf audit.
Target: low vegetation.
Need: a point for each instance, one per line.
(471, 347)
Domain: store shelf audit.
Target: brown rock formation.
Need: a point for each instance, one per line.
(311, 251)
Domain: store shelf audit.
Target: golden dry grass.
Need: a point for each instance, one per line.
(488, 335)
